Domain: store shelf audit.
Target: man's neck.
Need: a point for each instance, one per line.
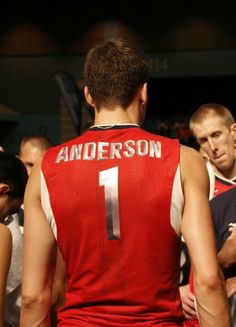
(116, 116)
(226, 174)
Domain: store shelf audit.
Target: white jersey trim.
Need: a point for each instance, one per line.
(211, 174)
(177, 203)
(45, 200)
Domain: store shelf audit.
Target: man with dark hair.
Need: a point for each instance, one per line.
(13, 179)
(116, 200)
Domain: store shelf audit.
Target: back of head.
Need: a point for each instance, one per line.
(113, 73)
(13, 173)
(211, 110)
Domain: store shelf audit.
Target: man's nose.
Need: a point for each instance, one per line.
(212, 144)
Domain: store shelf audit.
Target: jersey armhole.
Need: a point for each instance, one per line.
(45, 201)
(177, 203)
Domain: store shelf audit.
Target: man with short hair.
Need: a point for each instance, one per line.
(116, 200)
(214, 129)
(32, 148)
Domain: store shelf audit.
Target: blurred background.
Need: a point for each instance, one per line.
(191, 45)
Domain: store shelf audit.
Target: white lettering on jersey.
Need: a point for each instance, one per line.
(106, 150)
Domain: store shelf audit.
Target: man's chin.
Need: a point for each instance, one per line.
(220, 164)
(221, 168)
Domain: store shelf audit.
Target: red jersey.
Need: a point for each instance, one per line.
(109, 195)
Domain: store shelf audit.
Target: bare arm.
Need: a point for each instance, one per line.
(197, 230)
(39, 258)
(5, 260)
(59, 282)
(187, 297)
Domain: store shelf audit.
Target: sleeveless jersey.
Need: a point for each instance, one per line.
(224, 218)
(223, 184)
(109, 197)
(219, 185)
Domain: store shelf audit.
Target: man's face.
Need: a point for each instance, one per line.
(30, 155)
(8, 206)
(217, 141)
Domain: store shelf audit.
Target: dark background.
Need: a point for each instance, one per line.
(196, 41)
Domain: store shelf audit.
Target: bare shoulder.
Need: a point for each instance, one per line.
(192, 164)
(35, 174)
(191, 156)
(5, 233)
(32, 191)
(188, 151)
(4, 230)
(37, 166)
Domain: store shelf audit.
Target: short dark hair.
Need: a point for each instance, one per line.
(13, 173)
(114, 71)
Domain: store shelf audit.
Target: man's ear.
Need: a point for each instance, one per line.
(144, 94)
(4, 188)
(88, 96)
(233, 130)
